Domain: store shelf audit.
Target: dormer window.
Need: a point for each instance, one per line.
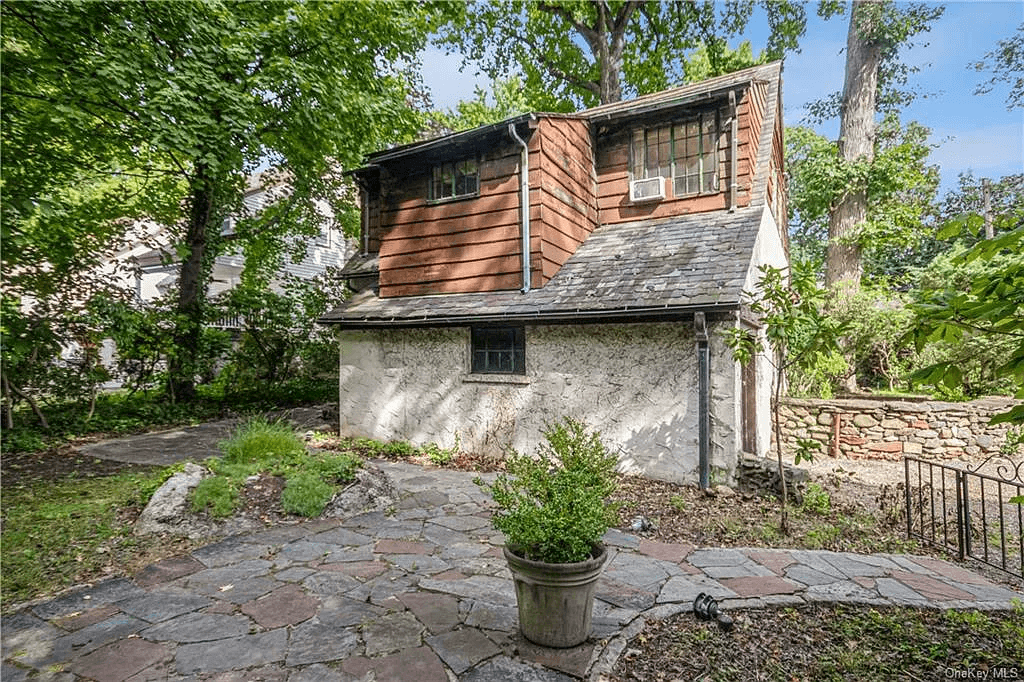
(455, 180)
(685, 151)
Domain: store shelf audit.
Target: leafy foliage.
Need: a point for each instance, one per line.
(891, 27)
(989, 305)
(899, 184)
(509, 98)
(584, 52)
(797, 335)
(118, 111)
(554, 507)
(280, 340)
(259, 446)
(1006, 63)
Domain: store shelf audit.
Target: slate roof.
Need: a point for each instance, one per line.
(685, 94)
(626, 271)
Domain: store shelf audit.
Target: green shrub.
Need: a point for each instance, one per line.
(217, 495)
(336, 469)
(816, 500)
(398, 448)
(438, 455)
(306, 494)
(553, 507)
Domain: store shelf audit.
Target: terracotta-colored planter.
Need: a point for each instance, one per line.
(556, 600)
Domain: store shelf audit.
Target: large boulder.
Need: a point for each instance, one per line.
(169, 510)
(373, 490)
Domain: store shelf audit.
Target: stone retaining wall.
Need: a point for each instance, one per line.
(889, 429)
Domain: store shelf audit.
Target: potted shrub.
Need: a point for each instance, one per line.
(553, 509)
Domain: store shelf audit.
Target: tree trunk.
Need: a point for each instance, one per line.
(8, 403)
(31, 403)
(192, 289)
(856, 143)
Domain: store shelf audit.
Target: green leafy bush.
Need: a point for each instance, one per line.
(816, 500)
(399, 448)
(438, 455)
(306, 494)
(336, 469)
(554, 507)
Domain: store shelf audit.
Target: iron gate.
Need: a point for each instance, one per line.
(967, 512)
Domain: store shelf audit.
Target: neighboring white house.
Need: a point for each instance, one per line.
(149, 267)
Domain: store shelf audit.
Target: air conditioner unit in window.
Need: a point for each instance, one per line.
(648, 189)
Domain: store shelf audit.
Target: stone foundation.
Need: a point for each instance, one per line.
(890, 429)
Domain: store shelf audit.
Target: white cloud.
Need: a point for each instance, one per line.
(993, 151)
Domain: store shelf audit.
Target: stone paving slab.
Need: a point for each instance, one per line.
(421, 595)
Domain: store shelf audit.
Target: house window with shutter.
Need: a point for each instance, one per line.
(454, 180)
(498, 350)
(685, 151)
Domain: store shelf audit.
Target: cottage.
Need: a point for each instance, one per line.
(579, 265)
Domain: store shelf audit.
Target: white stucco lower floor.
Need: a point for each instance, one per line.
(635, 383)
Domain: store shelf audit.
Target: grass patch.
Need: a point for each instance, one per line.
(59, 533)
(306, 494)
(828, 642)
(259, 446)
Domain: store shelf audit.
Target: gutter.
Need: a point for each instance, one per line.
(524, 203)
(733, 143)
(645, 314)
(700, 329)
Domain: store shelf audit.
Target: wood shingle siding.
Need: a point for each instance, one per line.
(462, 245)
(580, 169)
(564, 210)
(613, 171)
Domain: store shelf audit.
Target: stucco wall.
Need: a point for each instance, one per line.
(635, 383)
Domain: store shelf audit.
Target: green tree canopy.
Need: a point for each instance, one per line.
(900, 186)
(586, 52)
(118, 110)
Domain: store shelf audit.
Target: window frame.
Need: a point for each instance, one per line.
(453, 183)
(673, 168)
(483, 344)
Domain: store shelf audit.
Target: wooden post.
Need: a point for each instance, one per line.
(837, 419)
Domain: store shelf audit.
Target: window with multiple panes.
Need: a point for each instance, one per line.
(498, 350)
(455, 179)
(686, 151)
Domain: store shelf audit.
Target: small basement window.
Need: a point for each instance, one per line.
(498, 350)
(455, 180)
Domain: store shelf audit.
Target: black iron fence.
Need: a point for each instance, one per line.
(967, 511)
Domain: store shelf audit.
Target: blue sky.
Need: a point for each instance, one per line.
(973, 132)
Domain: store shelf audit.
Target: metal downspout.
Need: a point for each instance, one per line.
(733, 143)
(524, 203)
(700, 329)
(365, 217)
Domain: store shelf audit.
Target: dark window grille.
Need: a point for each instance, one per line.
(686, 151)
(498, 350)
(455, 179)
